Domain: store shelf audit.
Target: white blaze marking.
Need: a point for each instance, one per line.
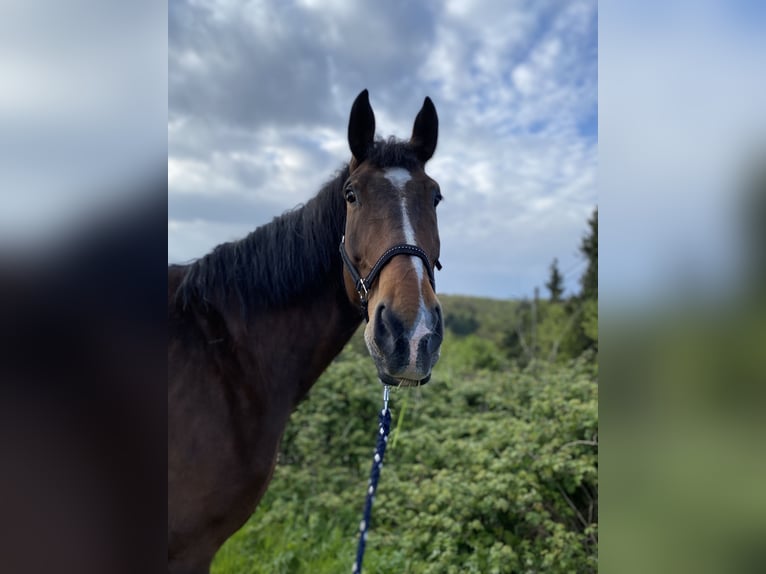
(420, 328)
(409, 237)
(398, 176)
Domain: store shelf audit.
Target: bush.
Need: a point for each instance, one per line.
(489, 469)
(470, 354)
(461, 322)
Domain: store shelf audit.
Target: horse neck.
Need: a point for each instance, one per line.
(291, 348)
(288, 345)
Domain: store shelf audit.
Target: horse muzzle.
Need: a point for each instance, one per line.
(404, 356)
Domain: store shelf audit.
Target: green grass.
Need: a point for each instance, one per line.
(292, 546)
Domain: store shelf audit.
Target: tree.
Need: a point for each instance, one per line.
(589, 248)
(462, 322)
(556, 282)
(518, 337)
(583, 307)
(559, 329)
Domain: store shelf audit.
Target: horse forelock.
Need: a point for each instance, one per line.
(392, 153)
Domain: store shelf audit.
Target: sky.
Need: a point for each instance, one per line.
(246, 106)
(259, 95)
(682, 87)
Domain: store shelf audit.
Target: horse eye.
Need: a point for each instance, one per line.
(437, 197)
(350, 196)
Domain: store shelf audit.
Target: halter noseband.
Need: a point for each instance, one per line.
(363, 285)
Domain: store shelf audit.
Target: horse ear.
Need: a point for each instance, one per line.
(425, 132)
(361, 126)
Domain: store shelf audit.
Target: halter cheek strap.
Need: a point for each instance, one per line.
(364, 284)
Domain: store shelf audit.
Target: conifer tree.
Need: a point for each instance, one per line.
(589, 248)
(555, 284)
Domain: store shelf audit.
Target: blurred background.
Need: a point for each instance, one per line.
(82, 110)
(682, 332)
(83, 104)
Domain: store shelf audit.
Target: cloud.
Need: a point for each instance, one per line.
(259, 95)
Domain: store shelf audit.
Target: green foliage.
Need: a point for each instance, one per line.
(491, 314)
(590, 320)
(471, 353)
(554, 325)
(490, 469)
(556, 330)
(518, 337)
(461, 322)
(546, 331)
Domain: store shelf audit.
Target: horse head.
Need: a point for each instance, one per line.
(391, 244)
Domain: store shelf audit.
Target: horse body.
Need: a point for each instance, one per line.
(233, 384)
(251, 327)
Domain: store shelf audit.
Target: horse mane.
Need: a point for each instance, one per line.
(280, 261)
(275, 263)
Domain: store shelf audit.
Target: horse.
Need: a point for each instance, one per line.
(254, 323)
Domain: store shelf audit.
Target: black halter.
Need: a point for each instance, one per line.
(363, 285)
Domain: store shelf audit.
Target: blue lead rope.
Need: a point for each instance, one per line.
(384, 425)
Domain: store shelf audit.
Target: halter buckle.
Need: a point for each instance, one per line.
(362, 290)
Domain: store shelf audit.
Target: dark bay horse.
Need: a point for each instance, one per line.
(254, 323)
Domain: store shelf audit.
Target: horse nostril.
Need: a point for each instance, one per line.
(438, 322)
(433, 342)
(388, 331)
(385, 329)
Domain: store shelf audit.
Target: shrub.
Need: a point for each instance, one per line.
(487, 471)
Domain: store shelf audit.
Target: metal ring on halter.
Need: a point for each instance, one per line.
(362, 287)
